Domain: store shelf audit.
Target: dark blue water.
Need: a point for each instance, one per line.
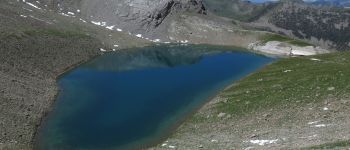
(130, 99)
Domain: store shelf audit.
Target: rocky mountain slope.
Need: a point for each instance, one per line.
(325, 26)
(35, 49)
(179, 21)
(135, 16)
(238, 9)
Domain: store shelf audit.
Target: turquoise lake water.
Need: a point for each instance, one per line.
(130, 99)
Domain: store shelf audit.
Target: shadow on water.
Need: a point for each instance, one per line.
(132, 98)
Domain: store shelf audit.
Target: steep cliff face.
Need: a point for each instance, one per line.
(135, 16)
(325, 26)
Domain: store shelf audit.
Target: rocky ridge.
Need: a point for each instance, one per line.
(138, 17)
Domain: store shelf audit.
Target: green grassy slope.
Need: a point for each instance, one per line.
(298, 81)
(276, 37)
(283, 101)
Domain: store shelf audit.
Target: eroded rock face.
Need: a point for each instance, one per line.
(136, 16)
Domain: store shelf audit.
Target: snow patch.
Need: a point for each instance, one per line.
(315, 59)
(139, 35)
(156, 40)
(263, 142)
(63, 14)
(172, 147)
(110, 27)
(31, 4)
(102, 50)
(184, 41)
(71, 13)
(82, 20)
(313, 122)
(99, 23)
(321, 125)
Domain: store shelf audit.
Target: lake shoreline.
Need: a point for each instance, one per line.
(285, 122)
(54, 99)
(185, 119)
(170, 131)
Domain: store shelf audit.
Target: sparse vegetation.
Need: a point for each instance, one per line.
(335, 145)
(294, 80)
(280, 102)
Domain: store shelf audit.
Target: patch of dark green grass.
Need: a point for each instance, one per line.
(296, 81)
(299, 43)
(335, 145)
(276, 37)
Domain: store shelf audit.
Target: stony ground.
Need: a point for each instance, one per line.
(287, 105)
(35, 48)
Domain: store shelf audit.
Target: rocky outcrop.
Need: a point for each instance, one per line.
(285, 49)
(135, 16)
